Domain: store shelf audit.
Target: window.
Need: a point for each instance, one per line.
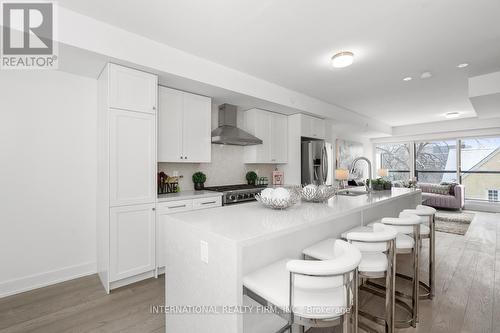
(395, 157)
(493, 195)
(436, 161)
(480, 168)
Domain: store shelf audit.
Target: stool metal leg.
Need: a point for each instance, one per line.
(355, 301)
(432, 256)
(416, 275)
(390, 289)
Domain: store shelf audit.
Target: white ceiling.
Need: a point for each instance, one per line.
(289, 42)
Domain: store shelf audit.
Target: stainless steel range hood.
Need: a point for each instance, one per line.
(227, 133)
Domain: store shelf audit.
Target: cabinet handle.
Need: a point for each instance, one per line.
(182, 157)
(185, 157)
(153, 208)
(154, 107)
(179, 206)
(208, 202)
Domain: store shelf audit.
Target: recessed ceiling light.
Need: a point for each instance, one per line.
(463, 65)
(408, 78)
(426, 75)
(342, 59)
(452, 115)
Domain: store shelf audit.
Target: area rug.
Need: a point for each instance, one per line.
(453, 222)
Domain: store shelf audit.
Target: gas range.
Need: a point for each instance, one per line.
(232, 194)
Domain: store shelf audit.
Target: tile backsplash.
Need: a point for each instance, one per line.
(227, 167)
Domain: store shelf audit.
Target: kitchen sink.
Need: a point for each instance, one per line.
(352, 193)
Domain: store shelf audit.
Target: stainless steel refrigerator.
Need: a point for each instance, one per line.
(317, 162)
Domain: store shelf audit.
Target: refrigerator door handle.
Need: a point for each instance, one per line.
(324, 164)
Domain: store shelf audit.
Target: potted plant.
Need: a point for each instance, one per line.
(251, 177)
(387, 185)
(377, 184)
(199, 179)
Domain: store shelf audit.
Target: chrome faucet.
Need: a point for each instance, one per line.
(368, 184)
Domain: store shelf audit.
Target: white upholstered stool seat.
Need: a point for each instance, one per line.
(319, 293)
(272, 283)
(370, 262)
(403, 242)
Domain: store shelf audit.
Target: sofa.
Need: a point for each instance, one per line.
(444, 195)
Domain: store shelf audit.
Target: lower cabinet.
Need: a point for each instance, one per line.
(131, 241)
(170, 207)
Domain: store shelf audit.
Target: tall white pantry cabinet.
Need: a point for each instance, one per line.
(126, 175)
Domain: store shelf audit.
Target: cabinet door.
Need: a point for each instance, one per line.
(133, 90)
(132, 240)
(318, 128)
(259, 123)
(132, 157)
(170, 104)
(196, 139)
(279, 139)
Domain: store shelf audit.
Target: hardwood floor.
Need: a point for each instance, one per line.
(467, 294)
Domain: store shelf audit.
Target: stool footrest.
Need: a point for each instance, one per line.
(381, 320)
(427, 289)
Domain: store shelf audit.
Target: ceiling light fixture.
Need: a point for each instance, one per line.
(426, 75)
(463, 65)
(408, 78)
(452, 115)
(342, 59)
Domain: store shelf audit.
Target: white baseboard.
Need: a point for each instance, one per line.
(12, 287)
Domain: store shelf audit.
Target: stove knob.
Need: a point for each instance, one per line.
(240, 196)
(232, 197)
(251, 195)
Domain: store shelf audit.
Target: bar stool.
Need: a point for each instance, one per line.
(377, 246)
(427, 231)
(408, 224)
(310, 293)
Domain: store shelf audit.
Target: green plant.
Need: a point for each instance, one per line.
(377, 184)
(251, 176)
(199, 177)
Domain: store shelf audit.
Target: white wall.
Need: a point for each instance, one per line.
(335, 131)
(47, 178)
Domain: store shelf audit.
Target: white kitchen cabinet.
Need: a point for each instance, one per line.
(133, 90)
(279, 138)
(132, 157)
(184, 127)
(132, 240)
(197, 129)
(170, 207)
(272, 129)
(126, 176)
(312, 127)
(170, 118)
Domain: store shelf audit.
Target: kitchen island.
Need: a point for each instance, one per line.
(208, 252)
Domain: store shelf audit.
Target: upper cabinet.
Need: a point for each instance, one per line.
(132, 90)
(312, 127)
(184, 127)
(272, 129)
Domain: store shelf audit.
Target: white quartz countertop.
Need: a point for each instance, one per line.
(187, 195)
(247, 222)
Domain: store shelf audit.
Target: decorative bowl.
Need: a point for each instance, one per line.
(318, 193)
(278, 202)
